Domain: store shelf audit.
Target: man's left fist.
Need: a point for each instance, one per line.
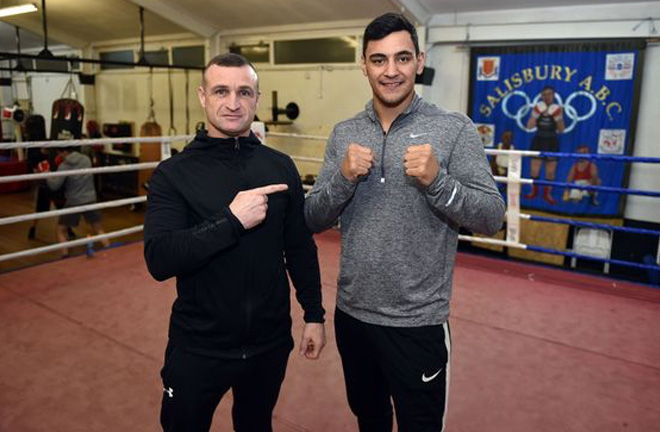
(420, 162)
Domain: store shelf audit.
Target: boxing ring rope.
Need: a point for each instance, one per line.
(605, 189)
(94, 141)
(71, 243)
(165, 143)
(513, 180)
(70, 210)
(589, 224)
(97, 170)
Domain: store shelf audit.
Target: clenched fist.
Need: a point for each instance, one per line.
(420, 162)
(250, 206)
(357, 162)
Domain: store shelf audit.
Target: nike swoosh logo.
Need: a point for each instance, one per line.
(432, 377)
(412, 135)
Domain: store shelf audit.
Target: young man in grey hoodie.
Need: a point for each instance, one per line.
(403, 175)
(78, 190)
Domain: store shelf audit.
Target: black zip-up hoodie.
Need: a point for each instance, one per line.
(232, 285)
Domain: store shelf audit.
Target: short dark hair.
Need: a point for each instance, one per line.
(548, 88)
(386, 24)
(228, 60)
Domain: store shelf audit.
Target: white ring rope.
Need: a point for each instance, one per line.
(501, 179)
(92, 142)
(532, 153)
(300, 136)
(306, 159)
(72, 243)
(70, 210)
(492, 241)
(97, 170)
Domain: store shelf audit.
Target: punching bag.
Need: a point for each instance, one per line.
(67, 119)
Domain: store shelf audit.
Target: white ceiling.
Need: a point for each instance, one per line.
(448, 6)
(79, 22)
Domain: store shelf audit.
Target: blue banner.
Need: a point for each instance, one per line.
(559, 99)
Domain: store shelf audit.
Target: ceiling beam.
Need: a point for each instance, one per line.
(179, 16)
(413, 9)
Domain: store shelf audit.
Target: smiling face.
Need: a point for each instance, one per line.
(229, 96)
(391, 65)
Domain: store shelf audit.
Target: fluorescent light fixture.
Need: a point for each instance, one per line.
(17, 10)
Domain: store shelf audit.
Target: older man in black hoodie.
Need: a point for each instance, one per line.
(225, 217)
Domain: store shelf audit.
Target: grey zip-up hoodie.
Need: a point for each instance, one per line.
(78, 189)
(398, 238)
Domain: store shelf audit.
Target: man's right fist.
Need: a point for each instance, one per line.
(357, 162)
(250, 206)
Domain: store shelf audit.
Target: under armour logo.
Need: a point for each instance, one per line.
(169, 391)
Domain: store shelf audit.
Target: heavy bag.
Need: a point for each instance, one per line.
(67, 119)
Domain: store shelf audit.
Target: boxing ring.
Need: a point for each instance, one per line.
(535, 348)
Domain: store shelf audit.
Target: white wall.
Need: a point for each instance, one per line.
(325, 97)
(450, 35)
(124, 96)
(647, 142)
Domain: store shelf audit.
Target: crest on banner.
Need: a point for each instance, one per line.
(488, 69)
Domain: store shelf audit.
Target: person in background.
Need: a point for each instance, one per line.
(78, 190)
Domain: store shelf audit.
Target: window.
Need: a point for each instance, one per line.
(322, 50)
(52, 65)
(122, 56)
(259, 53)
(158, 58)
(58, 65)
(189, 56)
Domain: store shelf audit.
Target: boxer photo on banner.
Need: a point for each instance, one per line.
(572, 98)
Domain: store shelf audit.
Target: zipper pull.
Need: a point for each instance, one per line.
(237, 145)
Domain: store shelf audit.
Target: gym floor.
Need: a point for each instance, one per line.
(534, 349)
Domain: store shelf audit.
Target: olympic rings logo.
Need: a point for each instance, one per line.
(570, 111)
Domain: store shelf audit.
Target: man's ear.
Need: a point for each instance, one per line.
(202, 96)
(363, 66)
(421, 60)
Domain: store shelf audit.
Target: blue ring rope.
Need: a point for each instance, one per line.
(593, 225)
(603, 260)
(606, 189)
(618, 158)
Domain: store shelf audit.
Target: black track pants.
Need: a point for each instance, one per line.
(193, 386)
(409, 365)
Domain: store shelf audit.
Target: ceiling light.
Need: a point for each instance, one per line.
(17, 10)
